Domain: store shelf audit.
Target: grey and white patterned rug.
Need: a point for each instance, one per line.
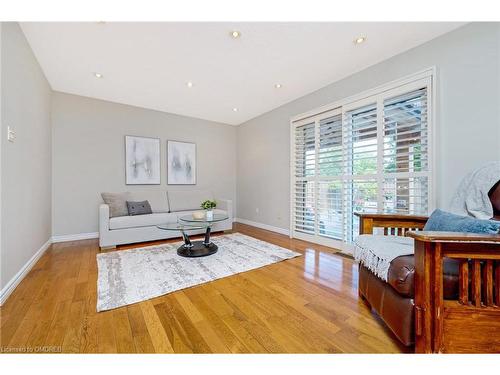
(130, 276)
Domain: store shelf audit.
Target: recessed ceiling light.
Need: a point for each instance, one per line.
(235, 109)
(359, 39)
(189, 84)
(98, 75)
(235, 34)
(277, 85)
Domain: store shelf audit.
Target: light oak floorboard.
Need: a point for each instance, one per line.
(308, 304)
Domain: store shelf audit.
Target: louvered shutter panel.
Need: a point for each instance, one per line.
(305, 165)
(361, 141)
(329, 191)
(330, 146)
(406, 153)
(360, 148)
(406, 195)
(305, 155)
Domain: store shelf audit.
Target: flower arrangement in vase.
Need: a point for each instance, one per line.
(209, 206)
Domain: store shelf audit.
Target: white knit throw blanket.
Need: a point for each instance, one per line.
(471, 197)
(376, 252)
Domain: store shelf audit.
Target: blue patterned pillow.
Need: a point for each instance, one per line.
(442, 221)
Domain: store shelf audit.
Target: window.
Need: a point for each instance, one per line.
(366, 155)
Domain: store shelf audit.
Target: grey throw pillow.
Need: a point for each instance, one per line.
(117, 203)
(139, 208)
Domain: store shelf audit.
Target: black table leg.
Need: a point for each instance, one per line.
(187, 241)
(207, 237)
(197, 248)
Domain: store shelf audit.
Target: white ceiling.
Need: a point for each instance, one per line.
(148, 64)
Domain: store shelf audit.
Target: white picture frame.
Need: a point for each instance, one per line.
(142, 160)
(181, 163)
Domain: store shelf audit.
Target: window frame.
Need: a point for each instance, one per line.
(378, 95)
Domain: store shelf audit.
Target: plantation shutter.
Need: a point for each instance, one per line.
(330, 170)
(305, 166)
(367, 155)
(361, 140)
(406, 153)
(361, 146)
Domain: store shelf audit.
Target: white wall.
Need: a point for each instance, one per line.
(25, 163)
(89, 155)
(468, 121)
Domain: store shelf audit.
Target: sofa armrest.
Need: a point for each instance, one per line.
(227, 205)
(392, 223)
(103, 218)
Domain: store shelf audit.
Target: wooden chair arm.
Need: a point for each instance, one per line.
(428, 236)
(392, 223)
(471, 322)
(390, 216)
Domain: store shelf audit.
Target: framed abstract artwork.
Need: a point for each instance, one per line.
(142, 160)
(181, 163)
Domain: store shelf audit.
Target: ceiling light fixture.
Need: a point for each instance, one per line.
(359, 39)
(98, 75)
(235, 109)
(235, 34)
(189, 84)
(277, 85)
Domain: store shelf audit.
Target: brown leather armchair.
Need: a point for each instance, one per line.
(445, 297)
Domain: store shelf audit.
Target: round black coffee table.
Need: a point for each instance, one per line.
(189, 224)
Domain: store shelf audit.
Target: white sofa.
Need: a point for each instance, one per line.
(167, 207)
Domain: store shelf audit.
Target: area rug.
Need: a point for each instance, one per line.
(130, 276)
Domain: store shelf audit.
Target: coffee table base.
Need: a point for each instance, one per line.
(198, 249)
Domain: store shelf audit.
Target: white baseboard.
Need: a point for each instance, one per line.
(14, 282)
(286, 232)
(18, 277)
(74, 237)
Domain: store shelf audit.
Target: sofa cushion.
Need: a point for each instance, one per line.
(401, 276)
(396, 308)
(396, 311)
(124, 222)
(156, 198)
(447, 222)
(117, 203)
(184, 200)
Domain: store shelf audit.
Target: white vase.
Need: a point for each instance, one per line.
(209, 214)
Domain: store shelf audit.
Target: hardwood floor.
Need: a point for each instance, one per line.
(308, 304)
